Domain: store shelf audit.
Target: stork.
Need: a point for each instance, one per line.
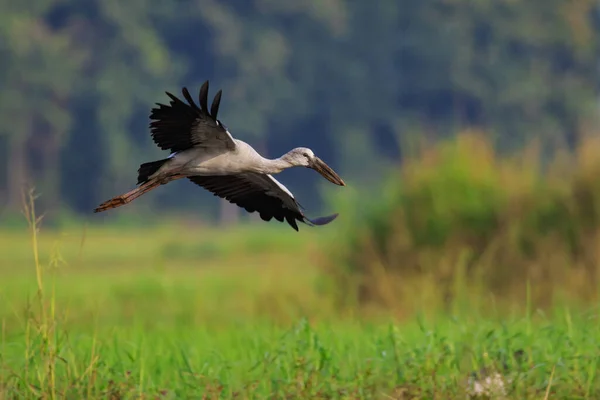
(203, 151)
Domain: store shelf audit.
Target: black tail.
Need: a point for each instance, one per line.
(149, 168)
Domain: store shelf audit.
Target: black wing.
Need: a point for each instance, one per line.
(180, 126)
(260, 193)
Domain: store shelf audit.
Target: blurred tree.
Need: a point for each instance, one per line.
(38, 70)
(346, 78)
(129, 64)
(523, 69)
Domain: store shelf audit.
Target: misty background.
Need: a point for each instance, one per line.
(351, 80)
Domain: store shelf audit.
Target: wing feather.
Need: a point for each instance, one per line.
(259, 193)
(180, 126)
(214, 108)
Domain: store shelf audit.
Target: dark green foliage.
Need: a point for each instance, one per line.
(348, 79)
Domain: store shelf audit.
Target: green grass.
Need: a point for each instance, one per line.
(328, 360)
(182, 312)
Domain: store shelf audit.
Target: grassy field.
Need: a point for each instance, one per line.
(126, 313)
(336, 360)
(468, 260)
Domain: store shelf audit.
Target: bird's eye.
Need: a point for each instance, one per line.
(305, 155)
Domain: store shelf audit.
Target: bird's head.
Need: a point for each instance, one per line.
(305, 157)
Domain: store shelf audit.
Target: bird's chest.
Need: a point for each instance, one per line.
(215, 164)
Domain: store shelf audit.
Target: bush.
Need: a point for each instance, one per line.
(462, 221)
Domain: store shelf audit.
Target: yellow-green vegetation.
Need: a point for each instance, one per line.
(468, 260)
(458, 219)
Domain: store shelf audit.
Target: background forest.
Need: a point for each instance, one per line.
(353, 80)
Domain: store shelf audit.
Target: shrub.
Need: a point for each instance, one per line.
(462, 221)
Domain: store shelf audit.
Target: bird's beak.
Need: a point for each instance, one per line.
(319, 165)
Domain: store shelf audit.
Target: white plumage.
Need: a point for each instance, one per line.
(203, 150)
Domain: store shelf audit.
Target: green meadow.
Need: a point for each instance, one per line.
(468, 266)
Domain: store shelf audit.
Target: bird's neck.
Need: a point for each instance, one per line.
(274, 166)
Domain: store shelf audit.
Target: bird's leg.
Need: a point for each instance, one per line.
(128, 197)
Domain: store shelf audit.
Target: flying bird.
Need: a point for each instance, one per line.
(204, 152)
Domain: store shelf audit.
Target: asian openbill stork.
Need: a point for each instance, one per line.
(203, 150)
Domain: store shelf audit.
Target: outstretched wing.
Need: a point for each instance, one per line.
(260, 193)
(180, 126)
